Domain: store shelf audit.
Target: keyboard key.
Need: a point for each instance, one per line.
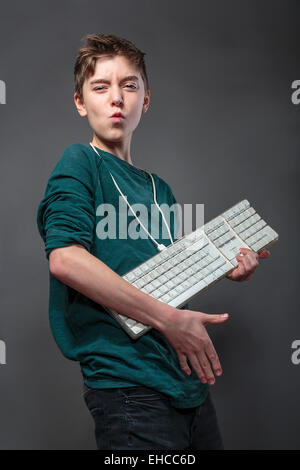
(130, 322)
(138, 328)
(165, 298)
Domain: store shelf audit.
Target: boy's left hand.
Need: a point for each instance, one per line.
(247, 264)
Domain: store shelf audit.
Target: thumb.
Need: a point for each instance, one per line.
(216, 318)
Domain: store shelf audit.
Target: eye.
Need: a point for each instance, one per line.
(102, 87)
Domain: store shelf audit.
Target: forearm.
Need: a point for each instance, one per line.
(85, 273)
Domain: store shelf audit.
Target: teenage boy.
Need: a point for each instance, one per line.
(150, 393)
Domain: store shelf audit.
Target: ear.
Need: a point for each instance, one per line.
(80, 105)
(146, 102)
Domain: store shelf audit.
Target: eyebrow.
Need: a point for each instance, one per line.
(125, 79)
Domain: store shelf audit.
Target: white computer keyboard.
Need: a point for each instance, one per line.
(196, 261)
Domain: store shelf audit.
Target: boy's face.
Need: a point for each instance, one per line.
(115, 94)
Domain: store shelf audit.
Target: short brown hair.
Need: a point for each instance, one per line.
(108, 45)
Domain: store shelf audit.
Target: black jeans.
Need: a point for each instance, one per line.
(139, 418)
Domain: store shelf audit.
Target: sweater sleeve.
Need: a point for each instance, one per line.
(66, 214)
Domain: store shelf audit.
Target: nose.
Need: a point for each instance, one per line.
(117, 98)
(117, 101)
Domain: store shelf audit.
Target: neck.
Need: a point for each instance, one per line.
(121, 151)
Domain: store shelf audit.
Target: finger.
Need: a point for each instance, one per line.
(251, 262)
(244, 278)
(214, 318)
(246, 262)
(194, 361)
(264, 254)
(246, 251)
(253, 258)
(235, 276)
(183, 363)
(213, 358)
(205, 364)
(240, 269)
(249, 254)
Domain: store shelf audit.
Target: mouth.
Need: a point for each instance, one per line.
(117, 118)
(117, 115)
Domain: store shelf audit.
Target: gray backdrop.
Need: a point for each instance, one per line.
(221, 127)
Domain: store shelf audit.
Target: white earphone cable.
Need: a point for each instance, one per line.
(159, 246)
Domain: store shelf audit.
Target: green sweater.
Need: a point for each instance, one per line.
(82, 329)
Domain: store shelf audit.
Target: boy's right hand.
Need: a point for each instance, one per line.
(188, 336)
